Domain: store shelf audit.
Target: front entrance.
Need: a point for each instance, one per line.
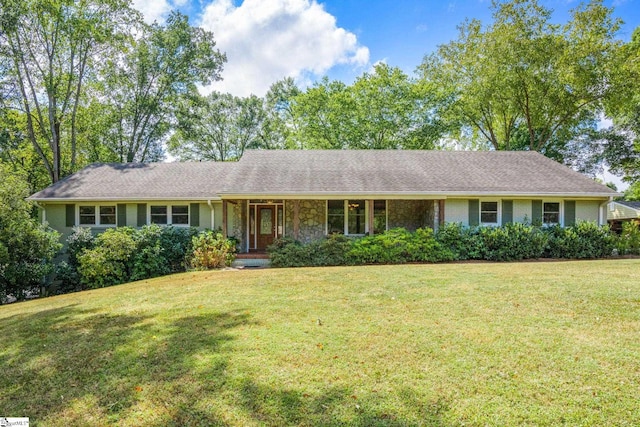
(265, 224)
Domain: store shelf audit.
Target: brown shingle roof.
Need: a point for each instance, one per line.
(406, 172)
(140, 181)
(331, 172)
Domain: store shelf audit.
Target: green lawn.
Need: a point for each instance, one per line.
(540, 343)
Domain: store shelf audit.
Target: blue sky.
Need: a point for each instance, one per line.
(266, 40)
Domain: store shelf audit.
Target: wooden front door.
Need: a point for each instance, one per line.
(266, 226)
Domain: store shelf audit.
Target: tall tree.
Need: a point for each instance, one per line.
(383, 109)
(49, 48)
(217, 127)
(144, 81)
(620, 145)
(523, 82)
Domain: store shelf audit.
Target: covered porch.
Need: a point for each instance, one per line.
(257, 223)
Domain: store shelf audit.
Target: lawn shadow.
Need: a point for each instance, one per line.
(72, 366)
(333, 407)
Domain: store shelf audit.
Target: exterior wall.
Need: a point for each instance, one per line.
(312, 215)
(587, 210)
(522, 211)
(56, 216)
(237, 222)
(410, 214)
(457, 210)
(622, 212)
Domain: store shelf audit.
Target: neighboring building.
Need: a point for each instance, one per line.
(307, 194)
(623, 211)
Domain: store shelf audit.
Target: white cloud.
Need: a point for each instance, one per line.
(153, 10)
(267, 40)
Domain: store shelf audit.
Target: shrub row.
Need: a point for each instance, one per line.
(513, 242)
(125, 254)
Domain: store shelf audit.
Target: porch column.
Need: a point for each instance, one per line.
(371, 218)
(436, 215)
(296, 219)
(224, 219)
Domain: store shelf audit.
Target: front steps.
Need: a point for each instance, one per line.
(251, 260)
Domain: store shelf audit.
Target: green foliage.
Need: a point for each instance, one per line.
(124, 254)
(80, 239)
(383, 109)
(51, 47)
(460, 240)
(27, 248)
(629, 239)
(110, 261)
(161, 250)
(144, 81)
(211, 250)
(512, 242)
(584, 240)
(217, 127)
(286, 252)
(523, 81)
(393, 247)
(398, 246)
(331, 250)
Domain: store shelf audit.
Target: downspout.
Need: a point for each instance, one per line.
(213, 214)
(602, 213)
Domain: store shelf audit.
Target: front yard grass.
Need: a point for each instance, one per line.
(540, 343)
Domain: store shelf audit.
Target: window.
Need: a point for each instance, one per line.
(169, 215)
(489, 212)
(551, 213)
(159, 215)
(335, 216)
(97, 215)
(379, 216)
(346, 216)
(87, 215)
(107, 215)
(180, 215)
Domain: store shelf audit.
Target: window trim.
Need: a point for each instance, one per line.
(498, 212)
(169, 207)
(560, 213)
(97, 216)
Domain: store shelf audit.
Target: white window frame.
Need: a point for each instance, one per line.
(96, 207)
(498, 212)
(169, 214)
(560, 213)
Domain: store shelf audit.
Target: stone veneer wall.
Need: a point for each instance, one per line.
(410, 214)
(237, 222)
(312, 216)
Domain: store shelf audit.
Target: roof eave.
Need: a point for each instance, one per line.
(414, 195)
(120, 199)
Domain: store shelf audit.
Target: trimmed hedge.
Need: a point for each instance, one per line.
(512, 242)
